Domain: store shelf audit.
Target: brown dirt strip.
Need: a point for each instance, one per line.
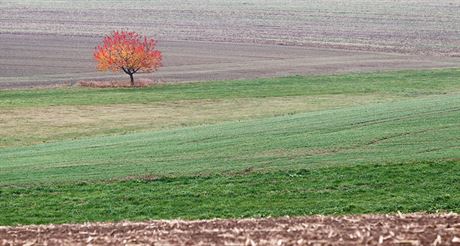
(410, 229)
(410, 26)
(45, 60)
(45, 43)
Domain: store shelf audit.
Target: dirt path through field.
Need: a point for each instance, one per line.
(36, 60)
(412, 229)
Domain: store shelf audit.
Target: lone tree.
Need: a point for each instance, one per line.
(128, 52)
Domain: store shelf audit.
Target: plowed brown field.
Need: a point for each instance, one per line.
(47, 42)
(411, 229)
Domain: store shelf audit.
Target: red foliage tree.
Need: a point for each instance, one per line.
(128, 52)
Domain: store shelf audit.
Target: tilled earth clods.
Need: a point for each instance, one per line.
(411, 229)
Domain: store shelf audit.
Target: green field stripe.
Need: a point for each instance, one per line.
(408, 187)
(411, 130)
(403, 83)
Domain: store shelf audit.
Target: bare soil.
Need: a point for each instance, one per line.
(411, 229)
(51, 42)
(410, 26)
(29, 60)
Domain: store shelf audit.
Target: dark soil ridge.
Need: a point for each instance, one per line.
(399, 229)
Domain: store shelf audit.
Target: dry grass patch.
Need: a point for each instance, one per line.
(32, 125)
(115, 83)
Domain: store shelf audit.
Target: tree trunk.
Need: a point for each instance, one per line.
(132, 79)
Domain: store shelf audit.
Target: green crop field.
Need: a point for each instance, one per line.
(357, 143)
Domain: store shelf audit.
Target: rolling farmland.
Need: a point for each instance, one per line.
(388, 121)
(48, 43)
(342, 115)
(416, 26)
(331, 145)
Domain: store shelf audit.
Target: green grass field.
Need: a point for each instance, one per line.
(358, 143)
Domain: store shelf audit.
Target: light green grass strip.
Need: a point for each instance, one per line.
(404, 83)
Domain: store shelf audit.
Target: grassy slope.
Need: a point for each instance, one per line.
(35, 116)
(44, 183)
(21, 126)
(409, 187)
(410, 130)
(408, 83)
